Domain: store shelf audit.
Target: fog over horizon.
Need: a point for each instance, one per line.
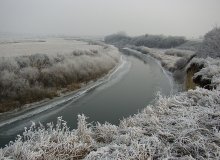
(190, 18)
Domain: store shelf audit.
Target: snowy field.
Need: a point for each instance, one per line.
(21, 47)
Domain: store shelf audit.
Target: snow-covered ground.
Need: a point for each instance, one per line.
(50, 46)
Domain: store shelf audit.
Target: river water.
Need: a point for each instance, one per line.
(129, 90)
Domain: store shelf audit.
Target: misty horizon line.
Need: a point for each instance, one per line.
(60, 35)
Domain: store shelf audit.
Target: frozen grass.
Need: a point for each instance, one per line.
(167, 61)
(173, 60)
(179, 52)
(184, 126)
(55, 142)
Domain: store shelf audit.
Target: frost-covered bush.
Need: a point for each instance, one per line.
(181, 63)
(183, 126)
(142, 49)
(51, 142)
(105, 133)
(25, 79)
(184, 55)
(208, 74)
(8, 64)
(178, 52)
(211, 44)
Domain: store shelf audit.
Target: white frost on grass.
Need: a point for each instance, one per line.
(30, 78)
(167, 61)
(51, 142)
(184, 126)
(171, 59)
(179, 52)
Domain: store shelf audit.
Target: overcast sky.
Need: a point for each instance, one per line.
(100, 17)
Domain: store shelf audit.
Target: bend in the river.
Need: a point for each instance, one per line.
(128, 90)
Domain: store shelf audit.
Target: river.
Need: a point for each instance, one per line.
(132, 87)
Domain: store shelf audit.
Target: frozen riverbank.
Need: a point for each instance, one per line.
(38, 107)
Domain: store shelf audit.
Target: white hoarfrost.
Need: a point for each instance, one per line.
(32, 77)
(51, 142)
(184, 126)
(211, 71)
(167, 57)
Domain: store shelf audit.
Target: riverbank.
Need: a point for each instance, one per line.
(113, 97)
(184, 125)
(35, 71)
(175, 62)
(38, 107)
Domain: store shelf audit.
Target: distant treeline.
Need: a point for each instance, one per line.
(152, 41)
(210, 46)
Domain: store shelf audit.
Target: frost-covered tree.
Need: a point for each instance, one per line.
(211, 44)
(152, 41)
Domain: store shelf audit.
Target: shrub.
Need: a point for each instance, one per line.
(179, 53)
(181, 63)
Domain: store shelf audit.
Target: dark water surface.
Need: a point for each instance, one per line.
(129, 90)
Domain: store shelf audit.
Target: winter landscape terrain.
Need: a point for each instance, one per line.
(124, 80)
(181, 126)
